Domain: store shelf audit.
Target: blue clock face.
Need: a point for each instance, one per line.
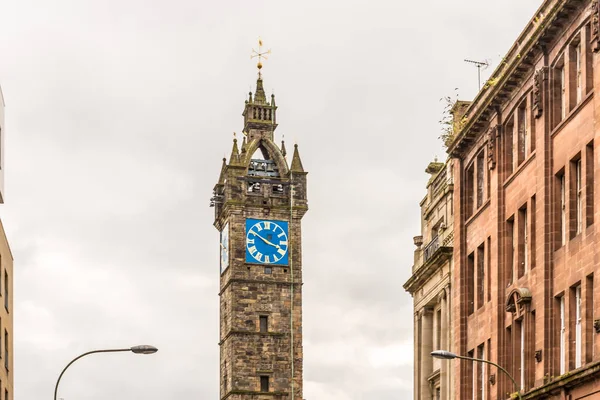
(266, 241)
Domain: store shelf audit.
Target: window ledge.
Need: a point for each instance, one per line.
(520, 167)
(571, 114)
(478, 212)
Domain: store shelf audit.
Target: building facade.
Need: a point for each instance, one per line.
(430, 285)
(259, 203)
(6, 276)
(526, 279)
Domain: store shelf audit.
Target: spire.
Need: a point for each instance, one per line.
(223, 171)
(235, 154)
(259, 114)
(296, 163)
(283, 150)
(244, 145)
(259, 94)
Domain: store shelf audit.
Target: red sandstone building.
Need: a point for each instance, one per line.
(526, 278)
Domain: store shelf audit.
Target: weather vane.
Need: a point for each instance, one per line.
(261, 55)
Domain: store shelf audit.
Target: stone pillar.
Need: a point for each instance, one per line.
(417, 357)
(426, 349)
(444, 345)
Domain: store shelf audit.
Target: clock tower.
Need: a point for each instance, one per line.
(259, 202)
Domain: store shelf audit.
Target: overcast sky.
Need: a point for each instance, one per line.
(118, 113)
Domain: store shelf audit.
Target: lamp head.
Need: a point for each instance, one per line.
(144, 349)
(443, 354)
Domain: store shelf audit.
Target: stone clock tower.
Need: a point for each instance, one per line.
(259, 202)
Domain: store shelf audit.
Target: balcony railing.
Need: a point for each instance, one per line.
(431, 248)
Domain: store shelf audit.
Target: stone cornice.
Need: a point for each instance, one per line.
(426, 271)
(566, 381)
(518, 62)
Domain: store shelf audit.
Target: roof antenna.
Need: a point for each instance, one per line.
(478, 64)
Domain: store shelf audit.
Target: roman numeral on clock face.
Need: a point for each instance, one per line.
(267, 224)
(252, 250)
(258, 256)
(250, 241)
(267, 260)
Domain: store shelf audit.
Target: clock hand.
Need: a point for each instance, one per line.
(266, 241)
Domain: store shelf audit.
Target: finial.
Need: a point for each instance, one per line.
(261, 55)
(435, 158)
(283, 150)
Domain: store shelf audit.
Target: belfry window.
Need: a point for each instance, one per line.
(264, 383)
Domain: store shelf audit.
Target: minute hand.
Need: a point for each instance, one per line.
(266, 241)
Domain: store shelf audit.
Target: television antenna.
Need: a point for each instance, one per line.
(478, 64)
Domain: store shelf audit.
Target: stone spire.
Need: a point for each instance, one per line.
(283, 150)
(259, 94)
(235, 154)
(296, 162)
(223, 172)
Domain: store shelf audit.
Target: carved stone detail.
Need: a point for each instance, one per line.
(595, 40)
(492, 134)
(538, 91)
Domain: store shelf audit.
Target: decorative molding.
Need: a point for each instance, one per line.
(539, 77)
(595, 40)
(492, 134)
(597, 325)
(538, 355)
(492, 379)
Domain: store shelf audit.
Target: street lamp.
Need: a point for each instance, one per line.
(447, 355)
(142, 349)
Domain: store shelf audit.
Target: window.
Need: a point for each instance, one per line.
(578, 198)
(562, 349)
(268, 270)
(470, 283)
(508, 146)
(563, 94)
(480, 179)
(523, 242)
(562, 209)
(489, 269)
(578, 74)
(264, 323)
(480, 274)
(469, 188)
(6, 286)
(225, 376)
(589, 318)
(589, 183)
(523, 134)
(522, 354)
(531, 234)
(264, 383)
(510, 238)
(480, 373)
(578, 341)
(438, 330)
(470, 370)
(6, 349)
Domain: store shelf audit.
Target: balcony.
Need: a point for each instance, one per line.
(431, 248)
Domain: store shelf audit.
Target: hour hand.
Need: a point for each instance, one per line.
(266, 241)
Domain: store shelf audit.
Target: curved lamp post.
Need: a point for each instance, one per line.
(142, 349)
(447, 355)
